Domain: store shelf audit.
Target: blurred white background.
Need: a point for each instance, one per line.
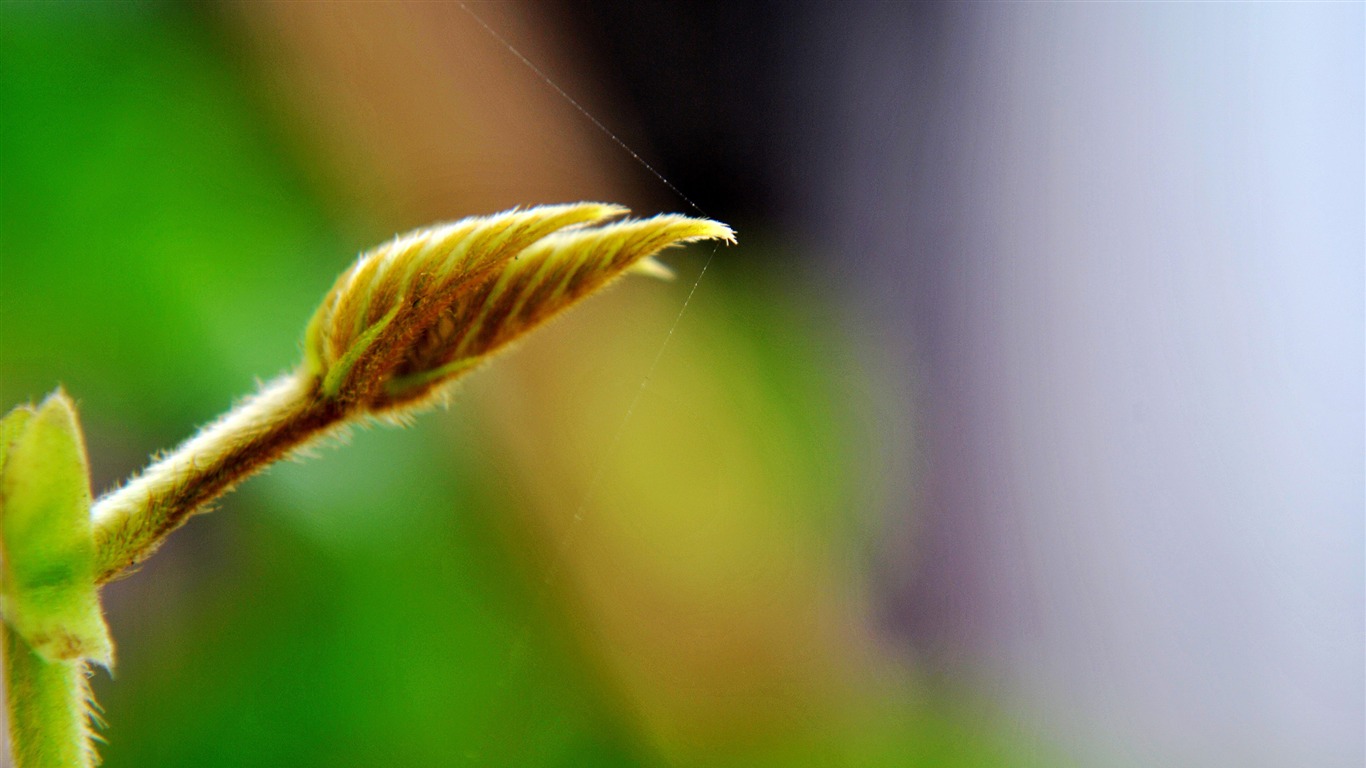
(1119, 248)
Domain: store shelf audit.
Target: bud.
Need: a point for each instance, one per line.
(406, 318)
(422, 309)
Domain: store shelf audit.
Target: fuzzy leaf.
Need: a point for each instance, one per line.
(393, 293)
(432, 304)
(48, 594)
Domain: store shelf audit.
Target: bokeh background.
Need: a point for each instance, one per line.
(1024, 426)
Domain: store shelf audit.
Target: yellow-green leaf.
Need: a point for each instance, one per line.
(430, 305)
(47, 593)
(10, 427)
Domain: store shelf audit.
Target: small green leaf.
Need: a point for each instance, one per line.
(48, 594)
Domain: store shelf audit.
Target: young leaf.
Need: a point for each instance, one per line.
(394, 293)
(48, 594)
(430, 305)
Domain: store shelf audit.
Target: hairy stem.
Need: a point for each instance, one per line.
(131, 522)
(48, 708)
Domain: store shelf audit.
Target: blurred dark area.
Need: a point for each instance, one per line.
(708, 90)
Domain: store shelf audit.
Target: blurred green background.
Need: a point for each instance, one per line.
(528, 578)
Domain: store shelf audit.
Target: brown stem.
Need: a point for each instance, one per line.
(131, 522)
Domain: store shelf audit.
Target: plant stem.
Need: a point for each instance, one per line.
(131, 522)
(48, 708)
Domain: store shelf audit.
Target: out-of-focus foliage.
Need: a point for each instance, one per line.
(156, 244)
(520, 581)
